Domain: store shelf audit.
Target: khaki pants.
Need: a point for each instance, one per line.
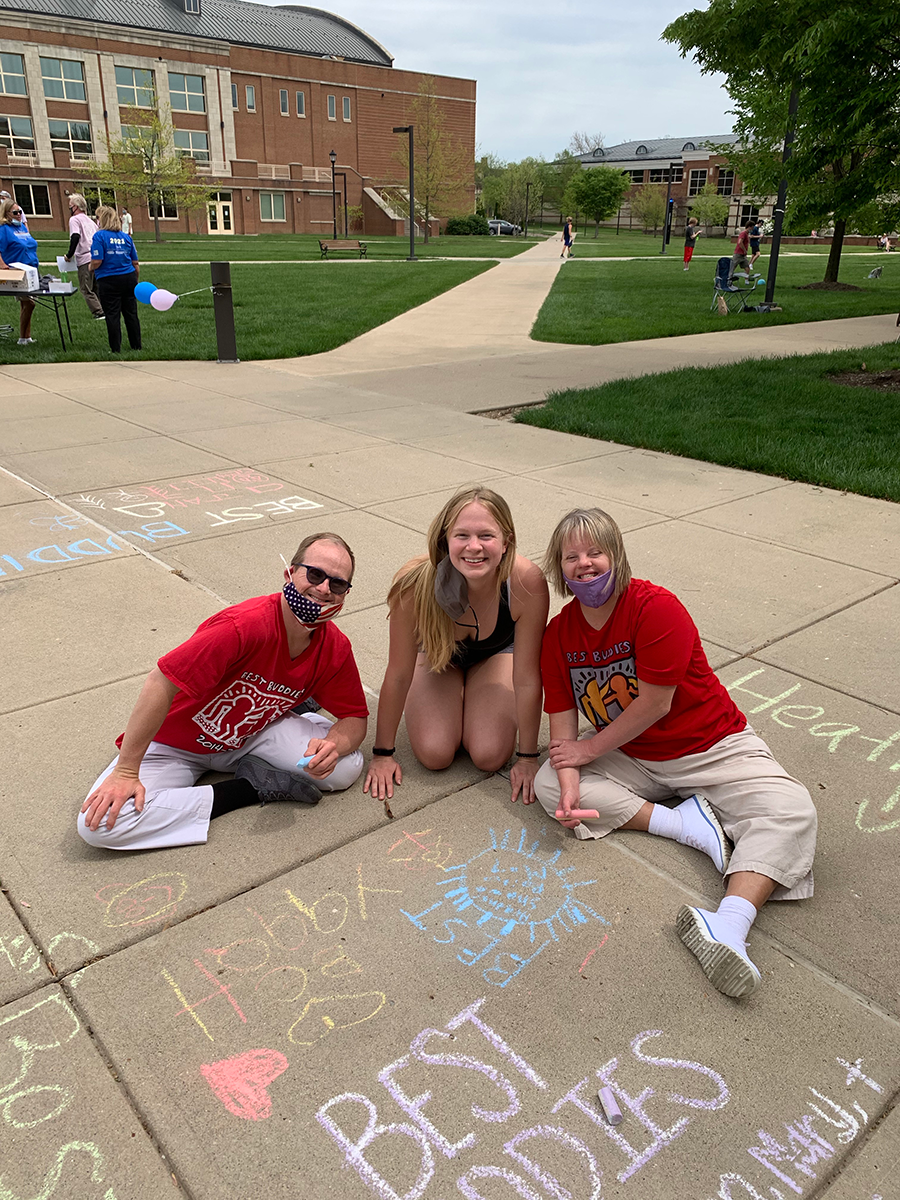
(768, 815)
(86, 287)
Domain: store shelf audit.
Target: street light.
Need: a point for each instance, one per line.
(527, 196)
(411, 257)
(667, 220)
(333, 156)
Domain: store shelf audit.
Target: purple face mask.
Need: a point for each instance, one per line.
(593, 592)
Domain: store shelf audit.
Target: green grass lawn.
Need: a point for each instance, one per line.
(279, 311)
(781, 417)
(595, 304)
(187, 247)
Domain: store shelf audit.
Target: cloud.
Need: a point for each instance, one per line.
(544, 71)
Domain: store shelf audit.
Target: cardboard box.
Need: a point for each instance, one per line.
(19, 278)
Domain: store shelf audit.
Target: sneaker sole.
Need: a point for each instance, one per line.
(725, 845)
(259, 774)
(728, 971)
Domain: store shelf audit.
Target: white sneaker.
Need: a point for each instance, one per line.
(25, 342)
(700, 828)
(727, 967)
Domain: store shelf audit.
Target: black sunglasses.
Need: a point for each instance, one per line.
(316, 575)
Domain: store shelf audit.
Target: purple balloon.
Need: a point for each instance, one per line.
(162, 300)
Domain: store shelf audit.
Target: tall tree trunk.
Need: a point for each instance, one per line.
(834, 256)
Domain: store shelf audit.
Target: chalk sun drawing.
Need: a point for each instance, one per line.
(511, 899)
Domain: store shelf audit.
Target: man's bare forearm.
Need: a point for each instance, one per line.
(147, 716)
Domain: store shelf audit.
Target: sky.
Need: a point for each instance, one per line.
(546, 70)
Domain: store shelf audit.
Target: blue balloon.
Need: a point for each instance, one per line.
(144, 291)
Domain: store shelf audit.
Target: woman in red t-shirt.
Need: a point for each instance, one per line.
(626, 655)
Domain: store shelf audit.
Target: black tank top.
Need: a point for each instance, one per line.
(469, 652)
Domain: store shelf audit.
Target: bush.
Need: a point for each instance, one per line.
(474, 223)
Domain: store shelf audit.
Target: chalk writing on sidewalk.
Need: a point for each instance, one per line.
(24, 957)
(155, 898)
(834, 737)
(242, 1082)
(570, 1129)
(504, 905)
(799, 1149)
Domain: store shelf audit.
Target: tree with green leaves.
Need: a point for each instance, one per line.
(828, 70)
(648, 204)
(443, 170)
(144, 168)
(710, 208)
(597, 192)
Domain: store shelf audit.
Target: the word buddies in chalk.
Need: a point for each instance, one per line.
(561, 1151)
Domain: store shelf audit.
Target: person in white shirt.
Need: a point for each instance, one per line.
(126, 221)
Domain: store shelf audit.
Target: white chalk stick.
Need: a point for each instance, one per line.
(304, 762)
(611, 1110)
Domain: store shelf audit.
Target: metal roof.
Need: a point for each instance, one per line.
(656, 148)
(291, 27)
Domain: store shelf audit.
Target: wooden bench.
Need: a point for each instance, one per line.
(337, 246)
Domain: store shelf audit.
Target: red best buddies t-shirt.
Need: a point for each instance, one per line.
(650, 636)
(235, 675)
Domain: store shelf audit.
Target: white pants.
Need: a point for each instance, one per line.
(176, 812)
(767, 813)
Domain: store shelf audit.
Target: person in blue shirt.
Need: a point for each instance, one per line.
(18, 246)
(114, 262)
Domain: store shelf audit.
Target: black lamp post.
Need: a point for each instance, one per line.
(667, 220)
(527, 197)
(411, 257)
(333, 157)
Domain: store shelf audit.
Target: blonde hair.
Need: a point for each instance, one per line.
(693, 221)
(596, 526)
(435, 630)
(5, 209)
(334, 538)
(79, 201)
(108, 218)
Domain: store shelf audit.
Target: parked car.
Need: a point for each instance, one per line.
(498, 227)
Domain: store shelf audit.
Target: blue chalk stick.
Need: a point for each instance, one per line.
(304, 762)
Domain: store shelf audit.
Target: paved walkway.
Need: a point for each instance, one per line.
(326, 1004)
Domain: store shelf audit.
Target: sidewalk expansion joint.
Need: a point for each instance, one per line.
(823, 1185)
(892, 583)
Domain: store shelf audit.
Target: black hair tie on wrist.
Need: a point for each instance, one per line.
(381, 753)
(522, 754)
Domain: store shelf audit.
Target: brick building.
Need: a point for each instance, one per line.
(259, 97)
(692, 166)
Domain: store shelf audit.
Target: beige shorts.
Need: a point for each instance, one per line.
(767, 813)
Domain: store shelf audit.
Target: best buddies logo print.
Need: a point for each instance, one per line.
(603, 691)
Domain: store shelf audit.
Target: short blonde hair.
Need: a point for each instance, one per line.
(108, 218)
(5, 209)
(79, 201)
(595, 526)
(435, 630)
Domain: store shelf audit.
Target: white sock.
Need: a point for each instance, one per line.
(736, 915)
(665, 822)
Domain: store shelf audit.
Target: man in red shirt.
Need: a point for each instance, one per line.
(741, 250)
(223, 701)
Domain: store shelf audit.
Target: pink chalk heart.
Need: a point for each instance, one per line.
(242, 1082)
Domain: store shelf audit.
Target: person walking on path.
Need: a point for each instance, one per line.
(127, 223)
(115, 265)
(223, 701)
(81, 236)
(18, 246)
(568, 236)
(466, 622)
(691, 232)
(741, 250)
(625, 654)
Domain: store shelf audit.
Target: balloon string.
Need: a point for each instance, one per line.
(181, 295)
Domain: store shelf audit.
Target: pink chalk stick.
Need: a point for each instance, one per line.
(579, 814)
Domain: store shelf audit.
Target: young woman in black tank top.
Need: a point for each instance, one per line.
(466, 624)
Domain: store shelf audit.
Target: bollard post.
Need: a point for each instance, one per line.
(226, 345)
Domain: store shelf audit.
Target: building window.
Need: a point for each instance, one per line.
(301, 104)
(688, 146)
(63, 79)
(250, 93)
(191, 143)
(641, 150)
(12, 75)
(234, 99)
(635, 176)
(725, 182)
(677, 174)
(16, 134)
(135, 87)
(186, 93)
(332, 109)
(193, 7)
(271, 206)
(284, 102)
(661, 174)
(749, 212)
(96, 196)
(346, 108)
(74, 136)
(697, 182)
(163, 205)
(33, 199)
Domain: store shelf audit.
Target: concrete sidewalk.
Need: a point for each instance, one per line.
(326, 1004)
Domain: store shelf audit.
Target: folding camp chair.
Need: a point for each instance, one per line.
(734, 294)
